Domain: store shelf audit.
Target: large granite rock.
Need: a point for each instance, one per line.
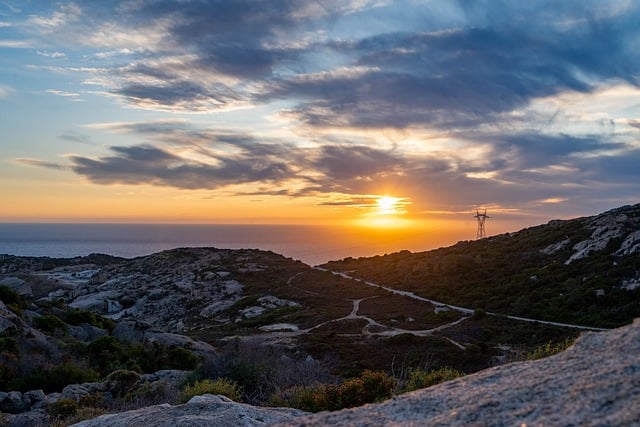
(206, 410)
(594, 383)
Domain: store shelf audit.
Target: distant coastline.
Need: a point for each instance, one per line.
(310, 244)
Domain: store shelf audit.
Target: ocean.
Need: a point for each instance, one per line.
(312, 245)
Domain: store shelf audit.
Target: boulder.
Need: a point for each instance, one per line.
(26, 419)
(78, 391)
(174, 377)
(17, 285)
(13, 403)
(173, 340)
(206, 410)
(130, 332)
(35, 396)
(86, 332)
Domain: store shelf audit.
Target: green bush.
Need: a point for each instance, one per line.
(53, 380)
(371, 386)
(549, 349)
(122, 381)
(49, 324)
(76, 317)
(63, 408)
(180, 358)
(222, 386)
(12, 299)
(419, 378)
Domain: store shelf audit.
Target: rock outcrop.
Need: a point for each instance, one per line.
(594, 383)
(206, 410)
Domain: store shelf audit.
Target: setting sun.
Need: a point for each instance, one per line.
(390, 205)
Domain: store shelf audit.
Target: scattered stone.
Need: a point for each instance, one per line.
(630, 245)
(279, 327)
(555, 247)
(173, 340)
(630, 285)
(171, 376)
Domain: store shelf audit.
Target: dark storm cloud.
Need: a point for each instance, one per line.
(466, 76)
(149, 165)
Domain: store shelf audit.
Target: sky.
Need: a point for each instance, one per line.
(368, 112)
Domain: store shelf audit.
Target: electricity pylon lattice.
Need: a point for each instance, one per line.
(481, 217)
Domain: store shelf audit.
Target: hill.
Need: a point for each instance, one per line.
(582, 271)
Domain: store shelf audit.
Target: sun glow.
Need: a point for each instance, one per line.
(386, 212)
(390, 205)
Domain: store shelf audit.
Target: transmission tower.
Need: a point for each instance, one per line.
(481, 217)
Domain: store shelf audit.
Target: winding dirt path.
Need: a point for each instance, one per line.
(458, 308)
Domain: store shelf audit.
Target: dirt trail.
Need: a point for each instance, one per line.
(464, 310)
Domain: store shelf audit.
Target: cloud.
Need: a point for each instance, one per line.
(62, 93)
(74, 136)
(15, 44)
(179, 96)
(149, 165)
(356, 162)
(54, 55)
(5, 91)
(39, 163)
(463, 77)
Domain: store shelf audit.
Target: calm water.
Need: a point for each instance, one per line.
(310, 244)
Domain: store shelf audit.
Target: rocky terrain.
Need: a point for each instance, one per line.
(594, 383)
(271, 323)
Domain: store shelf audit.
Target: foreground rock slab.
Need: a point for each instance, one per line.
(206, 410)
(594, 383)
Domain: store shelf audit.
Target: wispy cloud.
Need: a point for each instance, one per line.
(54, 55)
(5, 91)
(62, 93)
(39, 163)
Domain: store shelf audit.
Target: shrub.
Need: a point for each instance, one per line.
(106, 353)
(63, 408)
(50, 323)
(9, 345)
(419, 378)
(549, 349)
(180, 358)
(12, 299)
(377, 385)
(121, 382)
(371, 386)
(76, 317)
(53, 380)
(221, 386)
